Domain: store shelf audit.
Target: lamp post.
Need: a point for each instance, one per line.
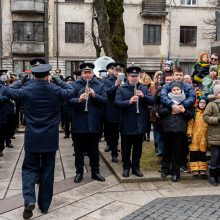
(169, 43)
(46, 46)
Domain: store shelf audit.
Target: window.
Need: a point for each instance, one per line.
(28, 31)
(74, 1)
(188, 35)
(74, 32)
(21, 65)
(188, 2)
(72, 66)
(152, 34)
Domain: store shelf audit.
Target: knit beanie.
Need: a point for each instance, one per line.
(216, 89)
(213, 68)
(203, 98)
(175, 84)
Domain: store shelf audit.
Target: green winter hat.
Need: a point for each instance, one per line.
(213, 68)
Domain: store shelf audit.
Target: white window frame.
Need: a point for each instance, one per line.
(190, 5)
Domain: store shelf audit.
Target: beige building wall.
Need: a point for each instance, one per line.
(147, 56)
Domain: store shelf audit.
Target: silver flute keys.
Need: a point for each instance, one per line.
(87, 99)
(137, 103)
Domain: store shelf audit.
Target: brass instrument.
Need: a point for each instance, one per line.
(137, 103)
(87, 99)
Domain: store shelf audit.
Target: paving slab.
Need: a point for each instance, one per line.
(179, 208)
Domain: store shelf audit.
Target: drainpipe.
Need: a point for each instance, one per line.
(57, 33)
(46, 44)
(169, 44)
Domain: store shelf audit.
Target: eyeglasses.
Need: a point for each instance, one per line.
(133, 76)
(214, 58)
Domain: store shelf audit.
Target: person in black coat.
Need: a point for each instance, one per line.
(133, 99)
(3, 117)
(42, 102)
(174, 127)
(87, 118)
(112, 112)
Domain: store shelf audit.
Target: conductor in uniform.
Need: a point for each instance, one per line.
(133, 99)
(42, 101)
(87, 120)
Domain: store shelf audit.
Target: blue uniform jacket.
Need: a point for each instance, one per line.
(112, 112)
(188, 90)
(3, 100)
(41, 101)
(133, 123)
(91, 121)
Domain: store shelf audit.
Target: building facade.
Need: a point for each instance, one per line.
(61, 31)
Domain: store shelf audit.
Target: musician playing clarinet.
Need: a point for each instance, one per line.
(133, 99)
(87, 120)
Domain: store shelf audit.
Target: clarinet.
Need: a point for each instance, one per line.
(137, 103)
(86, 89)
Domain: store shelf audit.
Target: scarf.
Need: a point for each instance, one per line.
(177, 99)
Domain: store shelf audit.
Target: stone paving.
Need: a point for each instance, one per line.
(179, 208)
(91, 200)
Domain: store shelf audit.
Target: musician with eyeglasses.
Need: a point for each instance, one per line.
(87, 115)
(133, 99)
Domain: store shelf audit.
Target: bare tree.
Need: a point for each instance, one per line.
(108, 15)
(8, 48)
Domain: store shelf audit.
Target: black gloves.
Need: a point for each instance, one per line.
(56, 80)
(24, 79)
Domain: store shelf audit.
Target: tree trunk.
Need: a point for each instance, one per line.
(109, 18)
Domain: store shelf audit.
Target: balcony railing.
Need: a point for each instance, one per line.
(30, 47)
(27, 6)
(154, 8)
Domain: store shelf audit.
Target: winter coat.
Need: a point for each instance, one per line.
(112, 112)
(131, 122)
(91, 121)
(189, 93)
(42, 102)
(197, 130)
(175, 123)
(212, 118)
(3, 100)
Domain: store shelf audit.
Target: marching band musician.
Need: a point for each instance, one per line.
(87, 117)
(133, 98)
(112, 113)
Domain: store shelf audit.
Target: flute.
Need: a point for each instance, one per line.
(87, 99)
(137, 103)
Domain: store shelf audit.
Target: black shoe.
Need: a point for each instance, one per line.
(98, 177)
(114, 159)
(44, 212)
(175, 178)
(13, 137)
(9, 145)
(78, 178)
(163, 175)
(28, 211)
(66, 136)
(137, 173)
(184, 169)
(1, 154)
(213, 181)
(107, 149)
(125, 173)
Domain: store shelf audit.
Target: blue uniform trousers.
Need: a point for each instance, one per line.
(38, 165)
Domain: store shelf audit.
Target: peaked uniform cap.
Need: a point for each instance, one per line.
(87, 66)
(41, 70)
(119, 65)
(37, 61)
(133, 70)
(110, 65)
